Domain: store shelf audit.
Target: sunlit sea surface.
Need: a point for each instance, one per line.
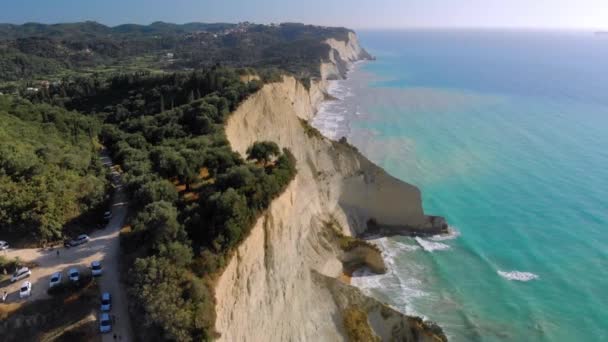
(506, 134)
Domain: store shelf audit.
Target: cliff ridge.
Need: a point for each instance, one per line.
(283, 281)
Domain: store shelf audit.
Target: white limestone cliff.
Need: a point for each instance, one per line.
(281, 284)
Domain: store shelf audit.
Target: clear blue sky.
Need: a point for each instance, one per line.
(352, 13)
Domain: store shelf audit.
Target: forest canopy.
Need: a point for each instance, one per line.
(157, 98)
(50, 173)
(36, 51)
(193, 199)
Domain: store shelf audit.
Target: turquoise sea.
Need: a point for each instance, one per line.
(506, 134)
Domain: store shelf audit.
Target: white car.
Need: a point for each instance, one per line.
(21, 273)
(25, 290)
(96, 268)
(55, 279)
(3, 245)
(73, 274)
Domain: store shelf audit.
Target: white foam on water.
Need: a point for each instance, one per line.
(402, 286)
(331, 117)
(431, 246)
(405, 247)
(451, 235)
(518, 276)
(331, 114)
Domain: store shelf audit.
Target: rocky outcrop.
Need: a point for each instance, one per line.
(386, 322)
(341, 55)
(275, 287)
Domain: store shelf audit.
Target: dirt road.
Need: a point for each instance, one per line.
(103, 246)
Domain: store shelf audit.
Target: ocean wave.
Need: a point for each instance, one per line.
(518, 276)
(451, 235)
(405, 247)
(431, 246)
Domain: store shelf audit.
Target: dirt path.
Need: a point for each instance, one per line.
(104, 246)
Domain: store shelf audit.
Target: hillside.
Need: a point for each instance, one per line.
(31, 52)
(50, 174)
(237, 204)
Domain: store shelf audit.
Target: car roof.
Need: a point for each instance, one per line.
(105, 295)
(23, 269)
(2, 242)
(105, 316)
(96, 262)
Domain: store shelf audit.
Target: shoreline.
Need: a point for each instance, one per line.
(290, 243)
(380, 236)
(325, 124)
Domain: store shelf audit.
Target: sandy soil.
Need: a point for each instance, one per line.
(104, 246)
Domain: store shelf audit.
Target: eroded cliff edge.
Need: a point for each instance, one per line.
(282, 282)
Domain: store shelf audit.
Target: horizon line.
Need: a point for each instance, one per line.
(392, 28)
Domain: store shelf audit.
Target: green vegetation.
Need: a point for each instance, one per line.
(10, 265)
(157, 97)
(50, 174)
(309, 130)
(32, 52)
(194, 199)
(357, 326)
(263, 151)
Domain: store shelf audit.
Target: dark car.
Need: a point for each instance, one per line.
(107, 216)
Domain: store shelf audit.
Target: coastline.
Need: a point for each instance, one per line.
(332, 119)
(288, 270)
(327, 120)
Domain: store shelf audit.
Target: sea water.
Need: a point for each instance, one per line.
(506, 134)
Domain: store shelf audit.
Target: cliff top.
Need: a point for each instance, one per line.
(36, 51)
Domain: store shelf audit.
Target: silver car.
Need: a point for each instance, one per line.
(21, 273)
(79, 240)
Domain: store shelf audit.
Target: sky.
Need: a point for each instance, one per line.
(357, 14)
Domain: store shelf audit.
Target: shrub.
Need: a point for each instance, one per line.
(263, 151)
(357, 325)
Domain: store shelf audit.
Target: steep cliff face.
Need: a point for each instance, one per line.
(278, 286)
(342, 53)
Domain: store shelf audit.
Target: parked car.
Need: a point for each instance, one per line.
(73, 274)
(3, 245)
(79, 240)
(107, 216)
(105, 323)
(55, 279)
(96, 268)
(106, 301)
(26, 289)
(21, 273)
